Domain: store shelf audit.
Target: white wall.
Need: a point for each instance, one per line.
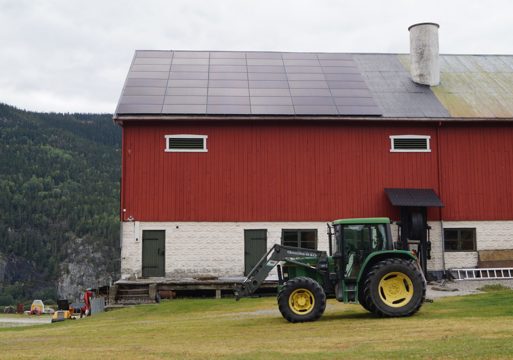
(490, 235)
(131, 250)
(196, 249)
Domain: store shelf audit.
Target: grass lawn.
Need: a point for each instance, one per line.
(477, 326)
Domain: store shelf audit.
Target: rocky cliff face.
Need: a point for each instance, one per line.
(86, 265)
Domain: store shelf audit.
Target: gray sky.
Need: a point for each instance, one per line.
(73, 56)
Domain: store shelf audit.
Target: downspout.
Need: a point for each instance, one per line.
(439, 161)
(122, 178)
(122, 189)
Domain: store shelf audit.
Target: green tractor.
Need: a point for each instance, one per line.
(363, 267)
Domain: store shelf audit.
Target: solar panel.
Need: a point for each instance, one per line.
(245, 83)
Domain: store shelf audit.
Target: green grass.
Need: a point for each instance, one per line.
(470, 327)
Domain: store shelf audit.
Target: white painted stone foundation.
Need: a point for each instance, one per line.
(195, 249)
(490, 235)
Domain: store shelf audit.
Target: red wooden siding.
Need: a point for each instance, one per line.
(270, 172)
(477, 173)
(312, 172)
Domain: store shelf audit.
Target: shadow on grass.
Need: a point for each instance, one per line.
(494, 303)
(349, 316)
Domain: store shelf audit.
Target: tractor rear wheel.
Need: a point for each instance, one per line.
(394, 287)
(302, 299)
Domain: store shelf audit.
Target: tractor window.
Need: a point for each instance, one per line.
(378, 236)
(359, 242)
(364, 237)
(354, 236)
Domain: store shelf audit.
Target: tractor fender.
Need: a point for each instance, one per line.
(381, 255)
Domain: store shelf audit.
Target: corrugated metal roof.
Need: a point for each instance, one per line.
(394, 91)
(263, 83)
(474, 86)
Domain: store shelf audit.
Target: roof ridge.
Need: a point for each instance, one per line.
(315, 52)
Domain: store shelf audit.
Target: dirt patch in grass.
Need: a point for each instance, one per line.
(493, 288)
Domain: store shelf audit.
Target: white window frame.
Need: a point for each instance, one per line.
(186, 136)
(427, 137)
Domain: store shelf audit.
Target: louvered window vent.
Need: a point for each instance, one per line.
(410, 143)
(186, 143)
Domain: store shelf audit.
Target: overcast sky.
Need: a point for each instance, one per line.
(73, 56)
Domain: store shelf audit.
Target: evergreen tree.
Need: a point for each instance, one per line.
(59, 179)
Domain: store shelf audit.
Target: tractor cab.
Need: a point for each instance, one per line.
(355, 240)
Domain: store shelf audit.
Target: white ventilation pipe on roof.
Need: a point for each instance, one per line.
(424, 64)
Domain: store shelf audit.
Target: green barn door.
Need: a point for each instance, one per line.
(255, 246)
(154, 250)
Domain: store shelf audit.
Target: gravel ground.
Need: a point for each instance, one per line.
(438, 289)
(23, 321)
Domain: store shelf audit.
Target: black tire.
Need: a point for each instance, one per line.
(394, 287)
(306, 289)
(361, 297)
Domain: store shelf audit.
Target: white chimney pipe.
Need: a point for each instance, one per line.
(424, 64)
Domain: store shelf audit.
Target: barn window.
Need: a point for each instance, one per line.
(300, 238)
(186, 143)
(460, 239)
(410, 143)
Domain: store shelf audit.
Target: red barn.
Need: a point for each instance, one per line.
(227, 153)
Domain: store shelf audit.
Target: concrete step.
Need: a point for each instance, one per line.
(136, 301)
(133, 291)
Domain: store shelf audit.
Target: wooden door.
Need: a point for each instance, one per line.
(153, 254)
(255, 246)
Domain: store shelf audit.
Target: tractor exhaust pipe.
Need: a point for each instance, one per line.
(330, 238)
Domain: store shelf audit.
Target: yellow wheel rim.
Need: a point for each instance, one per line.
(301, 301)
(396, 289)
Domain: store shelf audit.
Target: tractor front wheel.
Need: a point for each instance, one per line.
(302, 299)
(394, 287)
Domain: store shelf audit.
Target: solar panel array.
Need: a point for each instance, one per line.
(245, 83)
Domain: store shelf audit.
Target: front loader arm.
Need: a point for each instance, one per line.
(268, 262)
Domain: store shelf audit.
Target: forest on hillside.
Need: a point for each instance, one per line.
(59, 181)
